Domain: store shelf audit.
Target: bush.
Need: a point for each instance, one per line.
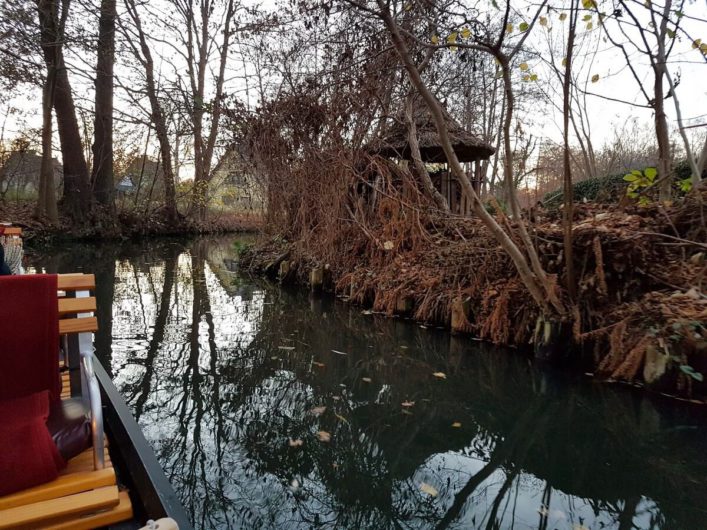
(610, 188)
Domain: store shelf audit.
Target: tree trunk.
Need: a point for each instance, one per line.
(76, 200)
(102, 171)
(567, 211)
(158, 118)
(46, 204)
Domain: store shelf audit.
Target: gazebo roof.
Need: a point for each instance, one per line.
(394, 141)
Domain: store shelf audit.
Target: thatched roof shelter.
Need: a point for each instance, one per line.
(394, 141)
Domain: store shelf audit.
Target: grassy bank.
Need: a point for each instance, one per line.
(126, 223)
(640, 316)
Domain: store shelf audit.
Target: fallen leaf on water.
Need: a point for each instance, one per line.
(324, 436)
(295, 443)
(274, 358)
(440, 375)
(320, 365)
(456, 424)
(426, 488)
(408, 403)
(286, 347)
(366, 379)
(342, 418)
(340, 352)
(318, 411)
(336, 398)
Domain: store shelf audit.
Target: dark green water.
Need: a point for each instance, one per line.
(232, 379)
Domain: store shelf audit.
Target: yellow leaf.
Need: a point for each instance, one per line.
(534, 77)
(440, 375)
(595, 78)
(696, 44)
(452, 37)
(466, 33)
(703, 47)
(564, 61)
(295, 443)
(563, 16)
(509, 28)
(524, 67)
(456, 424)
(430, 490)
(526, 77)
(542, 21)
(588, 4)
(435, 39)
(453, 48)
(324, 436)
(589, 26)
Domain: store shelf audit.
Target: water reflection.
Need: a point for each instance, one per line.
(232, 379)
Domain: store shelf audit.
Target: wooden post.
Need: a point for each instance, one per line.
(316, 279)
(284, 270)
(404, 305)
(461, 310)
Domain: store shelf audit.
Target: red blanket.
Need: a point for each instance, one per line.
(28, 456)
(29, 336)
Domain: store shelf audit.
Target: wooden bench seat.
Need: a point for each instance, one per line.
(81, 497)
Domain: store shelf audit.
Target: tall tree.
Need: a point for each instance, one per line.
(102, 171)
(76, 200)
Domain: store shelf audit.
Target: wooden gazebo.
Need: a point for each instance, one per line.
(393, 143)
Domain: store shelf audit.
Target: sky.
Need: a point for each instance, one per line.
(605, 116)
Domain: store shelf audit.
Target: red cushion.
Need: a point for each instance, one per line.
(28, 456)
(29, 336)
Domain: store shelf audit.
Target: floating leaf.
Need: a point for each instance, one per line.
(318, 411)
(588, 4)
(317, 363)
(589, 26)
(426, 488)
(526, 77)
(696, 44)
(524, 66)
(339, 416)
(534, 77)
(563, 16)
(366, 379)
(542, 21)
(295, 443)
(440, 375)
(466, 33)
(509, 28)
(564, 61)
(703, 47)
(523, 26)
(388, 245)
(595, 78)
(456, 424)
(435, 39)
(587, 17)
(408, 403)
(324, 436)
(452, 38)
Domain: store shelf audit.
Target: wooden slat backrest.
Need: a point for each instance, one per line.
(75, 306)
(76, 282)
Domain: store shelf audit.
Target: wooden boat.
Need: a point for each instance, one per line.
(117, 483)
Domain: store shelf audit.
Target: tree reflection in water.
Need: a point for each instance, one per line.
(226, 375)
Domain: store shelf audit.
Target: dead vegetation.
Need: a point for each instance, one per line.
(640, 315)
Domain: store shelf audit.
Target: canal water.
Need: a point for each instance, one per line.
(268, 408)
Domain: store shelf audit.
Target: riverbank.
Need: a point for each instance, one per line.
(640, 315)
(126, 223)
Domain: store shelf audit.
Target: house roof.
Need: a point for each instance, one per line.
(394, 141)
